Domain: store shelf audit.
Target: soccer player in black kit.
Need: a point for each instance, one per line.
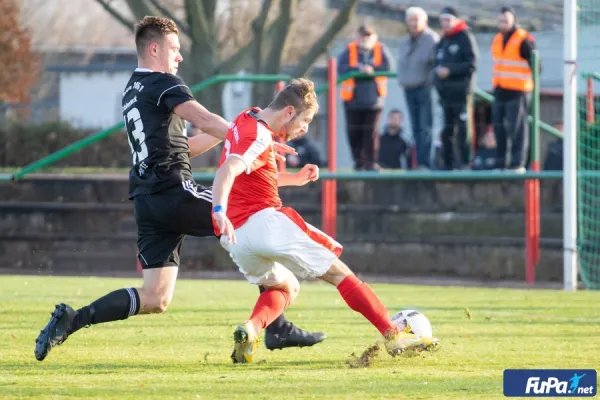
(168, 203)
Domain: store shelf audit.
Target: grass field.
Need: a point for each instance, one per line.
(184, 354)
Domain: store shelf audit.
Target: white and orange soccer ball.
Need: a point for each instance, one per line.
(412, 321)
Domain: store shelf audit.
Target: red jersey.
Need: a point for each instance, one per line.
(251, 140)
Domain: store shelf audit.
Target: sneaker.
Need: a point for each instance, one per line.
(291, 336)
(245, 343)
(398, 342)
(56, 331)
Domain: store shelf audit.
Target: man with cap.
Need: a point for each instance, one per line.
(513, 82)
(364, 97)
(456, 62)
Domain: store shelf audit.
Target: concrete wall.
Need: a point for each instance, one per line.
(436, 229)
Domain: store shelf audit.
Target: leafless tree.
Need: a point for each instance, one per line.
(218, 44)
(18, 64)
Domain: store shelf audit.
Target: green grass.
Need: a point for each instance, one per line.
(184, 354)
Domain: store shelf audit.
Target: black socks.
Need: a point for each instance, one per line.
(117, 305)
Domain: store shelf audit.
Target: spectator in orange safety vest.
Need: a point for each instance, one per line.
(364, 97)
(513, 82)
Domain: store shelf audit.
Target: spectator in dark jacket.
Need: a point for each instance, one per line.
(456, 62)
(364, 97)
(394, 151)
(308, 153)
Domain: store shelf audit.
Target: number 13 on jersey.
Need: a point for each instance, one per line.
(136, 135)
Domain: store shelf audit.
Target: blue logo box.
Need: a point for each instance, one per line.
(550, 383)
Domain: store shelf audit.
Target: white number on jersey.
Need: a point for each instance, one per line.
(227, 148)
(138, 135)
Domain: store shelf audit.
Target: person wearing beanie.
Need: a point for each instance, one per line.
(454, 79)
(512, 80)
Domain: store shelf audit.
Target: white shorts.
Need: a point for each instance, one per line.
(273, 242)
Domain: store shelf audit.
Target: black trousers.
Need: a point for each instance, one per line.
(509, 119)
(456, 118)
(363, 136)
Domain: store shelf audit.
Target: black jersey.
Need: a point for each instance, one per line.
(157, 137)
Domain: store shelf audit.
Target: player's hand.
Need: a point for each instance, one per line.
(225, 226)
(308, 173)
(279, 157)
(284, 148)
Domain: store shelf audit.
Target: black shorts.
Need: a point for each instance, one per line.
(163, 219)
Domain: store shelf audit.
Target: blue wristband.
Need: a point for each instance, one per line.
(217, 209)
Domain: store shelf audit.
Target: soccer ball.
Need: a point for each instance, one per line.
(412, 321)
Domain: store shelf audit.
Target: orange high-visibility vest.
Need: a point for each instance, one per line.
(511, 71)
(347, 87)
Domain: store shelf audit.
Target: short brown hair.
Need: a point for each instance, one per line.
(299, 93)
(152, 29)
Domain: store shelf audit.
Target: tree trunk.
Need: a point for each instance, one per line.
(211, 97)
(321, 45)
(272, 51)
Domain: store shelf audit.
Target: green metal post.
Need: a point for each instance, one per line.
(74, 147)
(80, 144)
(66, 151)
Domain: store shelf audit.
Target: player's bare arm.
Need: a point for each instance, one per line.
(309, 173)
(201, 143)
(224, 179)
(200, 117)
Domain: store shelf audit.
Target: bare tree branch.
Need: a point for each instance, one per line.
(198, 22)
(118, 16)
(139, 8)
(237, 61)
(283, 26)
(163, 10)
(320, 46)
(258, 28)
(210, 7)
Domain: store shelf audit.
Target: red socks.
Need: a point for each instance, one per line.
(269, 306)
(361, 298)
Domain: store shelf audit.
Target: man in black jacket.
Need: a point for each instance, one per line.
(456, 62)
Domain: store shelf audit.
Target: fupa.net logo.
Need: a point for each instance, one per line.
(550, 383)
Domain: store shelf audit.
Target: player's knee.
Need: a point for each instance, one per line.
(156, 302)
(293, 288)
(290, 285)
(336, 273)
(163, 303)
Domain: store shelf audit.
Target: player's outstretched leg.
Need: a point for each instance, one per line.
(361, 298)
(268, 307)
(153, 297)
(282, 333)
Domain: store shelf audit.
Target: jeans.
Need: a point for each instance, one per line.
(420, 109)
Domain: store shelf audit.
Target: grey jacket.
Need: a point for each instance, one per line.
(417, 58)
(365, 92)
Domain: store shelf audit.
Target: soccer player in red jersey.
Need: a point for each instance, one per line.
(271, 244)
